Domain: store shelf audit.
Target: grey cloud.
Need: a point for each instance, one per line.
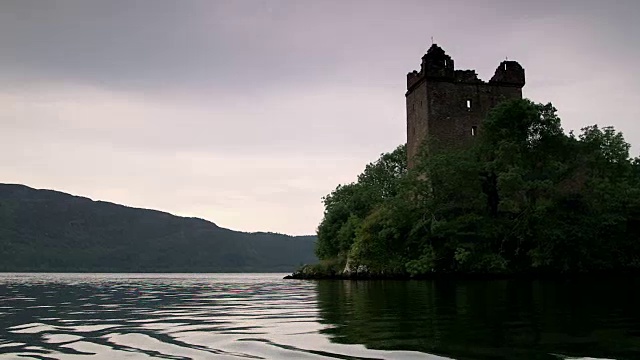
(129, 44)
(239, 46)
(247, 112)
(316, 121)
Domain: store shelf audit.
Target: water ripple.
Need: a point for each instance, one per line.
(178, 317)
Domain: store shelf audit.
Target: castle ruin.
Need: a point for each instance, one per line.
(447, 106)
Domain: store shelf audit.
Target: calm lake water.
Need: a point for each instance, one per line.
(261, 316)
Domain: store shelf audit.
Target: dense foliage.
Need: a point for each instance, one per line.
(43, 230)
(522, 197)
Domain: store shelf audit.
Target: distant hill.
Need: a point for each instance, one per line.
(44, 230)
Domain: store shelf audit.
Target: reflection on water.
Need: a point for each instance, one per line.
(487, 319)
(261, 316)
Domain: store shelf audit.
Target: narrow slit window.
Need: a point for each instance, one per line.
(474, 130)
(505, 66)
(468, 104)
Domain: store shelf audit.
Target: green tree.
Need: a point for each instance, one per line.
(524, 196)
(348, 205)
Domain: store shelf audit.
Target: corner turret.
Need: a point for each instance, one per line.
(436, 64)
(509, 73)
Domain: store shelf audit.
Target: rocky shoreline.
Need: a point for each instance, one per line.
(310, 272)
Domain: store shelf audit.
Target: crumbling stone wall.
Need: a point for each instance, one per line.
(447, 106)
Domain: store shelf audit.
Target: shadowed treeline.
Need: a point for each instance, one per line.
(523, 197)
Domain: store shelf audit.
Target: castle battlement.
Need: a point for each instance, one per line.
(438, 66)
(448, 106)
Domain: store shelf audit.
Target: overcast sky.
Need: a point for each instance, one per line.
(246, 113)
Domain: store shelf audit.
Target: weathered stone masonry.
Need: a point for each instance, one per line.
(448, 105)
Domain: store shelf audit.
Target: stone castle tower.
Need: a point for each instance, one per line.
(447, 105)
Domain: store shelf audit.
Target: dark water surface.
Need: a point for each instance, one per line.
(261, 316)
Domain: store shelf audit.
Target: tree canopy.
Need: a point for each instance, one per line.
(523, 197)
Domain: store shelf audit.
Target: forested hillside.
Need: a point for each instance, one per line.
(43, 230)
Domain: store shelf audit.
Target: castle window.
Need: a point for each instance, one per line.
(474, 130)
(469, 105)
